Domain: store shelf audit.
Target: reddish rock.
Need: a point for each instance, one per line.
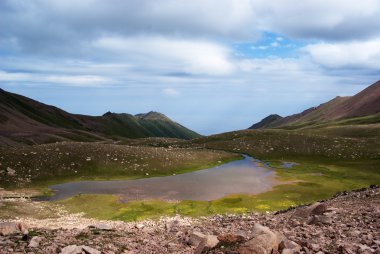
(264, 242)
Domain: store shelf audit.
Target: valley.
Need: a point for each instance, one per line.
(118, 179)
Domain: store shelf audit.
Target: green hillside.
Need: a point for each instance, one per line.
(23, 120)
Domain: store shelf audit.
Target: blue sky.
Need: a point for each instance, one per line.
(211, 65)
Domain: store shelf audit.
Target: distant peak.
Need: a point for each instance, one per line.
(273, 116)
(108, 113)
(2, 91)
(266, 121)
(152, 115)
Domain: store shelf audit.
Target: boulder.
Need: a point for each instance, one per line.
(314, 209)
(288, 246)
(211, 241)
(139, 226)
(318, 208)
(196, 237)
(201, 247)
(90, 250)
(102, 226)
(35, 242)
(74, 249)
(264, 242)
(172, 226)
(71, 249)
(207, 243)
(231, 238)
(319, 220)
(9, 228)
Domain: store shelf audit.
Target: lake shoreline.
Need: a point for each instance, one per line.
(247, 176)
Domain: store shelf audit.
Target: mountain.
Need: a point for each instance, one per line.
(23, 120)
(365, 103)
(266, 121)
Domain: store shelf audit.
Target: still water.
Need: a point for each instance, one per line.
(243, 176)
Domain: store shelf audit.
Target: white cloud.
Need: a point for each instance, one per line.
(170, 92)
(67, 27)
(71, 80)
(86, 80)
(178, 55)
(275, 44)
(320, 19)
(6, 76)
(71, 20)
(363, 54)
(137, 49)
(278, 69)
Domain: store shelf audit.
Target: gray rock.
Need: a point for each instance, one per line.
(74, 249)
(90, 250)
(10, 171)
(102, 226)
(315, 247)
(201, 247)
(264, 242)
(289, 245)
(139, 226)
(314, 209)
(196, 237)
(319, 220)
(208, 242)
(35, 242)
(172, 226)
(71, 249)
(211, 241)
(231, 238)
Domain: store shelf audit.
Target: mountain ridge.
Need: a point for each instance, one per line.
(24, 120)
(364, 103)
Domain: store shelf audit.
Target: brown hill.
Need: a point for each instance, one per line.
(365, 103)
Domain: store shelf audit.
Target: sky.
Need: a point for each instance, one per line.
(211, 65)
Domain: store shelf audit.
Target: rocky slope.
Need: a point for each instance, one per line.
(347, 223)
(23, 120)
(266, 122)
(365, 103)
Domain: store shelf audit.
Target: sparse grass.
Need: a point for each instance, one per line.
(313, 144)
(43, 165)
(22, 209)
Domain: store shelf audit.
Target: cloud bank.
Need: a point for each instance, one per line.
(210, 56)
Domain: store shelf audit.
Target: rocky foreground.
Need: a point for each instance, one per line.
(347, 223)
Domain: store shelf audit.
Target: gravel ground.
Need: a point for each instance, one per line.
(347, 223)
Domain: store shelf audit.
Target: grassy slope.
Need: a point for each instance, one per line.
(129, 126)
(325, 166)
(355, 121)
(45, 114)
(27, 121)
